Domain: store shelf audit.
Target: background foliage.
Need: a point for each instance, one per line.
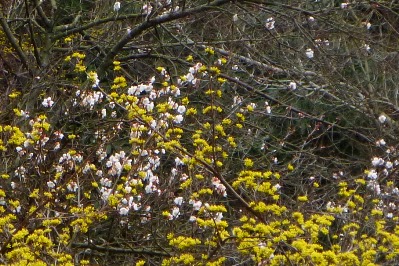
(198, 132)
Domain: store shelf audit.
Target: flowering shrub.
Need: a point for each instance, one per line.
(207, 153)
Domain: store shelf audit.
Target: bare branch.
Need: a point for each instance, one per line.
(136, 31)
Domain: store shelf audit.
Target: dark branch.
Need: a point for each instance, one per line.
(121, 250)
(136, 31)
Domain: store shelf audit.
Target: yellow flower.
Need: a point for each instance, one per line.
(303, 198)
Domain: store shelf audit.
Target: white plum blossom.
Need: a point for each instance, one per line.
(192, 219)
(292, 85)
(388, 165)
(376, 161)
(235, 18)
(72, 187)
(344, 5)
(175, 212)
(17, 209)
(50, 184)
(117, 6)
(147, 9)
(270, 23)
(48, 102)
(178, 201)
(373, 185)
(219, 187)
(178, 119)
(103, 113)
(105, 182)
(309, 53)
(178, 161)
(181, 109)
(218, 216)
(124, 211)
(372, 174)
(196, 204)
(382, 118)
(380, 142)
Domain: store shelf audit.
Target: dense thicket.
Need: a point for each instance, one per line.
(198, 132)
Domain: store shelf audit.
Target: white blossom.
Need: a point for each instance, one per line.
(376, 161)
(270, 23)
(123, 211)
(196, 204)
(47, 102)
(181, 109)
(175, 212)
(117, 6)
(372, 174)
(380, 142)
(367, 47)
(292, 85)
(382, 118)
(178, 201)
(309, 53)
(50, 184)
